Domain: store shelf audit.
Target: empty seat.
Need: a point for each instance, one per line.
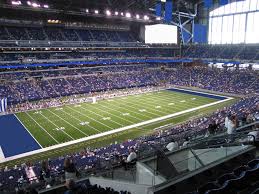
(207, 186)
(221, 180)
(240, 169)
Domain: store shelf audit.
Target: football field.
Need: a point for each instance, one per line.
(58, 125)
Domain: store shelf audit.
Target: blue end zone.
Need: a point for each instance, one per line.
(14, 138)
(198, 94)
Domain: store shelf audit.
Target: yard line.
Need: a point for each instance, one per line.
(125, 104)
(167, 95)
(56, 126)
(89, 117)
(162, 98)
(67, 122)
(100, 115)
(112, 114)
(148, 105)
(129, 110)
(177, 98)
(41, 127)
(119, 111)
(81, 121)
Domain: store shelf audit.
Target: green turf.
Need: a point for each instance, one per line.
(58, 125)
(119, 137)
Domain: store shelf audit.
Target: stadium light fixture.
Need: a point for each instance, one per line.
(122, 14)
(137, 16)
(116, 13)
(128, 15)
(108, 13)
(35, 5)
(46, 6)
(146, 17)
(158, 18)
(28, 3)
(96, 11)
(16, 2)
(87, 10)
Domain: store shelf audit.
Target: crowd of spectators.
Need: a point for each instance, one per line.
(25, 86)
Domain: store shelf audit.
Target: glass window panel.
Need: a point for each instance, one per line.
(257, 5)
(226, 32)
(221, 10)
(227, 9)
(253, 4)
(217, 35)
(239, 28)
(239, 6)
(246, 5)
(216, 12)
(210, 28)
(250, 28)
(233, 7)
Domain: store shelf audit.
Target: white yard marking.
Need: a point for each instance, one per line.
(170, 104)
(59, 129)
(103, 110)
(142, 110)
(106, 118)
(42, 127)
(90, 117)
(59, 109)
(183, 101)
(125, 114)
(68, 122)
(158, 106)
(56, 126)
(127, 109)
(84, 123)
(37, 112)
(193, 98)
(80, 120)
(101, 117)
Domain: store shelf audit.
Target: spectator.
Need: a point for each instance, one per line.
(132, 157)
(45, 172)
(70, 169)
(75, 188)
(212, 128)
(231, 125)
(226, 121)
(253, 135)
(186, 142)
(173, 145)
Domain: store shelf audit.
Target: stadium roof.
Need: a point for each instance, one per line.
(130, 5)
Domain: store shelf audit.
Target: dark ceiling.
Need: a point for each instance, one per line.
(130, 5)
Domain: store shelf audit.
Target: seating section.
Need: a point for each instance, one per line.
(240, 179)
(151, 52)
(54, 83)
(64, 34)
(243, 52)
